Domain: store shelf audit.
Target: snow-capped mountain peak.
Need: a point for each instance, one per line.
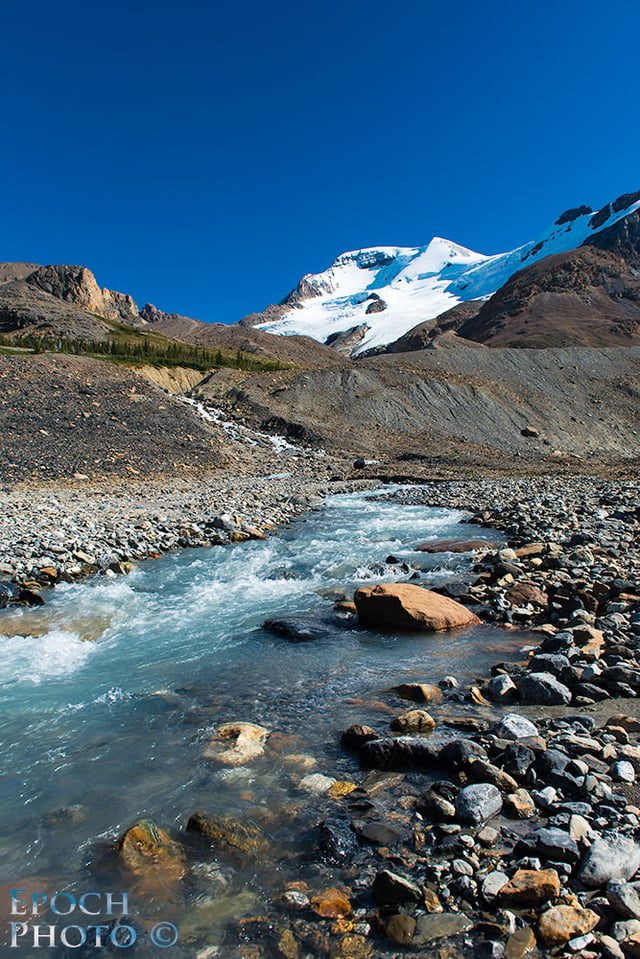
(387, 290)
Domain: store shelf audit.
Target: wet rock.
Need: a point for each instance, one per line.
(561, 923)
(418, 692)
(460, 753)
(502, 689)
(440, 926)
(228, 833)
(149, 852)
(454, 546)
(513, 726)
(390, 887)
(543, 689)
(407, 607)
(614, 856)
(530, 887)
(331, 904)
(403, 752)
(438, 802)
(401, 929)
(337, 841)
(413, 721)
(477, 803)
(356, 736)
(30, 597)
(7, 593)
(379, 833)
(295, 630)
(549, 843)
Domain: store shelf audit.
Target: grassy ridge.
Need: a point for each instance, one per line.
(132, 347)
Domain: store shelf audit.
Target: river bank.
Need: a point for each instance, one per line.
(59, 532)
(505, 817)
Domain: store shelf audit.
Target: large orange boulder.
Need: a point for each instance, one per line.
(403, 606)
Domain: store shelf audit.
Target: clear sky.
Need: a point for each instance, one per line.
(203, 155)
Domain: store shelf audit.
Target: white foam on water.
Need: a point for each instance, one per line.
(34, 659)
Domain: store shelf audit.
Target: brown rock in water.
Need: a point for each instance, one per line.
(418, 692)
(562, 923)
(407, 607)
(331, 904)
(150, 852)
(454, 546)
(530, 887)
(413, 721)
(227, 832)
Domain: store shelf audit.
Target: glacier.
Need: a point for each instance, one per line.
(419, 283)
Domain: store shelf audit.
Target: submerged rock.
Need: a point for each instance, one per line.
(236, 743)
(227, 832)
(413, 721)
(440, 926)
(295, 630)
(149, 851)
(407, 607)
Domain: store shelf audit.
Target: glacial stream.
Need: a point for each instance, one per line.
(110, 693)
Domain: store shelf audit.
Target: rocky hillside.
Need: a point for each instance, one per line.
(66, 302)
(465, 406)
(299, 350)
(586, 297)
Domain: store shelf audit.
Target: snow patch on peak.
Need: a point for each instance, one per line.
(419, 283)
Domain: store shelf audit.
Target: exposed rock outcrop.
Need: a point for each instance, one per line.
(77, 284)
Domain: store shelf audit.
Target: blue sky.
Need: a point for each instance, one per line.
(203, 156)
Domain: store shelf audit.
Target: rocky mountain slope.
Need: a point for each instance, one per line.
(66, 301)
(587, 297)
(375, 296)
(524, 408)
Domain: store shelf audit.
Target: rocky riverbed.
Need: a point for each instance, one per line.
(57, 533)
(498, 818)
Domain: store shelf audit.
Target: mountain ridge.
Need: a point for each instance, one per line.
(415, 285)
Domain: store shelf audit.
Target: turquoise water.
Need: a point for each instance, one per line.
(110, 693)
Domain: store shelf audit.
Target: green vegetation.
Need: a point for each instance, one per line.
(138, 348)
